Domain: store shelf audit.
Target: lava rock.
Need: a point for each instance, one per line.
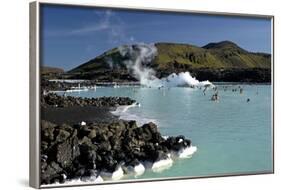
(68, 151)
(84, 151)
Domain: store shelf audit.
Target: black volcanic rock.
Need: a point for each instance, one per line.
(83, 155)
(67, 151)
(54, 100)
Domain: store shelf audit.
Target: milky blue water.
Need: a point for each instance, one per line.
(232, 135)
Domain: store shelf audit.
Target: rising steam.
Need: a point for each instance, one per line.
(141, 55)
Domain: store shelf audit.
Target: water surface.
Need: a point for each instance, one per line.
(232, 135)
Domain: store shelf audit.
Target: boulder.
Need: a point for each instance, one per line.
(51, 173)
(176, 143)
(68, 151)
(132, 124)
(150, 127)
(83, 131)
(61, 135)
(115, 143)
(104, 146)
(92, 134)
(87, 153)
(47, 131)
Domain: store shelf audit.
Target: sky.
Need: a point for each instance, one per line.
(71, 36)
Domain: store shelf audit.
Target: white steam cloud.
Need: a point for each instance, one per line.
(139, 57)
(181, 79)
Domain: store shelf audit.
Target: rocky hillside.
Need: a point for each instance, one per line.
(222, 61)
(51, 72)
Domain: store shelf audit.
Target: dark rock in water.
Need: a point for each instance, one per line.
(186, 143)
(62, 178)
(178, 138)
(157, 138)
(151, 127)
(161, 155)
(88, 173)
(150, 152)
(134, 162)
(84, 151)
(177, 143)
(80, 172)
(106, 162)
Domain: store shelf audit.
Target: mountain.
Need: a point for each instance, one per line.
(51, 72)
(222, 61)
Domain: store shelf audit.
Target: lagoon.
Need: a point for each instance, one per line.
(232, 135)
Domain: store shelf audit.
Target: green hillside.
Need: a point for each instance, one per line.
(222, 61)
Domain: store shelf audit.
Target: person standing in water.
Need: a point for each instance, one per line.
(204, 91)
(215, 96)
(241, 90)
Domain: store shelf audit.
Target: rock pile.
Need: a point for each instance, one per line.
(63, 86)
(88, 151)
(54, 100)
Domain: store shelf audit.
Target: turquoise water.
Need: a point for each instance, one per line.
(232, 135)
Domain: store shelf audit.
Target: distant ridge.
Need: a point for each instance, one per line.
(223, 45)
(51, 72)
(221, 61)
(47, 69)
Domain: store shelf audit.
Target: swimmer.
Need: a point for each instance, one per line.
(241, 90)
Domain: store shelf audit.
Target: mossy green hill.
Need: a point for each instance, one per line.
(222, 61)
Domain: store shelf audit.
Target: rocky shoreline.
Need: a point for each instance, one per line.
(54, 100)
(93, 151)
(49, 85)
(98, 151)
(74, 84)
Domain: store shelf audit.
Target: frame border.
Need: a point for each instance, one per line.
(34, 95)
(34, 91)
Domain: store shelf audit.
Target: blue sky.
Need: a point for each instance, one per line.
(71, 35)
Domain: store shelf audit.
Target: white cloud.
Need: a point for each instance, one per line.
(89, 29)
(103, 24)
(109, 23)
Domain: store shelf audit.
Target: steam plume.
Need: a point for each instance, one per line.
(141, 55)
